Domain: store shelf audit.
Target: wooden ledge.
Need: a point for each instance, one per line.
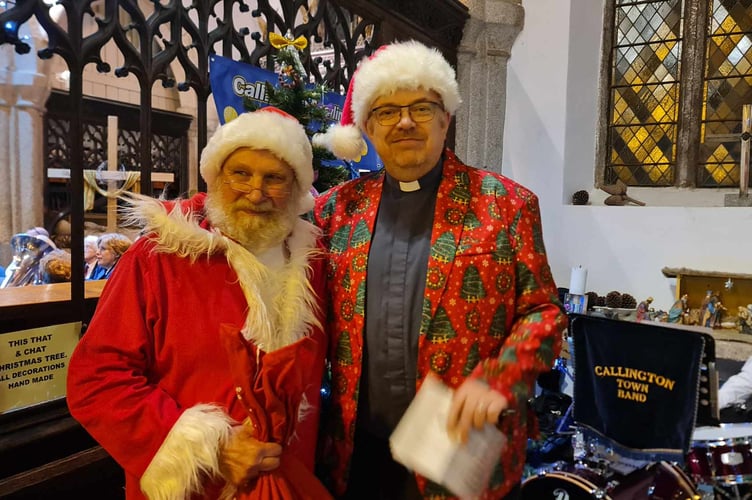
(54, 292)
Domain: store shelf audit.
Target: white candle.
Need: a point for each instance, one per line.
(577, 281)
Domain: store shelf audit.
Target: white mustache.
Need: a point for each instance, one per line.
(264, 207)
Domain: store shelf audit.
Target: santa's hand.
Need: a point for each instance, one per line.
(474, 404)
(243, 457)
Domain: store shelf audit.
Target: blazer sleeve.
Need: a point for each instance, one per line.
(534, 340)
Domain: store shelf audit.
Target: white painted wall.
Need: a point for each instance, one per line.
(549, 146)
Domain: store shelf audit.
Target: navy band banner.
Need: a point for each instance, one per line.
(636, 384)
(232, 81)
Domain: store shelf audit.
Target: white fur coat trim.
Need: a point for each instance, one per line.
(270, 324)
(188, 455)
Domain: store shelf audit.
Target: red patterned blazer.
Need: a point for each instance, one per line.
(490, 308)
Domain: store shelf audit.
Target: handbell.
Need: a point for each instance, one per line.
(24, 269)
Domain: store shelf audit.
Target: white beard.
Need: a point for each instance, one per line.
(255, 233)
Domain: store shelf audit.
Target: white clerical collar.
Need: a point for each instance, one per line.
(409, 187)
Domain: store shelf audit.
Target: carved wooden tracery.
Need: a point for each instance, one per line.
(164, 42)
(169, 42)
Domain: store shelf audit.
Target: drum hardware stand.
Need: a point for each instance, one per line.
(733, 495)
(561, 365)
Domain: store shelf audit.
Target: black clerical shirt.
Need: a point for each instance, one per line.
(395, 284)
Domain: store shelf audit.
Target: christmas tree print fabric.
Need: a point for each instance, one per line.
(490, 308)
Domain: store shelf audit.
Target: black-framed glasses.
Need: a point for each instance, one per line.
(420, 112)
(268, 190)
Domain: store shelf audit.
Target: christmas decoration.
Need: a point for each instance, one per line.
(580, 197)
(613, 299)
(628, 301)
(618, 194)
(303, 101)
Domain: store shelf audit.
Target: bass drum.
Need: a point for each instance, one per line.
(657, 481)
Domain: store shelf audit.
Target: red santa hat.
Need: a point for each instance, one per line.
(399, 66)
(268, 128)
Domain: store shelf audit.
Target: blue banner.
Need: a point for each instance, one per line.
(231, 81)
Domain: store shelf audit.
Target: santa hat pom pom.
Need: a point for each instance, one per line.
(344, 141)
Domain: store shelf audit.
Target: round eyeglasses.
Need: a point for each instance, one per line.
(420, 112)
(268, 190)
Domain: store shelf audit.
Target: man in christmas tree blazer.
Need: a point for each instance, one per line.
(201, 370)
(434, 267)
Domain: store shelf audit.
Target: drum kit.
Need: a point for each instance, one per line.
(720, 457)
(716, 463)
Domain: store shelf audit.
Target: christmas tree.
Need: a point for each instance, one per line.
(296, 96)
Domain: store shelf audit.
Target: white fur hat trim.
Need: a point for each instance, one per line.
(267, 128)
(400, 66)
(403, 66)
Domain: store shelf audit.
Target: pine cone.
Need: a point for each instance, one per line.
(592, 300)
(613, 299)
(627, 301)
(601, 302)
(580, 197)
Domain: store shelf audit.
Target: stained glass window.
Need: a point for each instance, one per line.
(651, 67)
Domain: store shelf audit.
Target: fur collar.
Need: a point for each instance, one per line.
(280, 320)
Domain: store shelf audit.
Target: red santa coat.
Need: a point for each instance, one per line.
(490, 308)
(155, 377)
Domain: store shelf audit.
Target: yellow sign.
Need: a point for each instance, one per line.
(34, 364)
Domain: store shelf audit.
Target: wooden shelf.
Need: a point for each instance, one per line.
(55, 292)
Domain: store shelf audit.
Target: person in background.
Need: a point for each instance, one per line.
(435, 267)
(56, 267)
(201, 370)
(42, 234)
(737, 388)
(735, 396)
(110, 247)
(91, 245)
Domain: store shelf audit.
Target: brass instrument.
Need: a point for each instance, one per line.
(24, 269)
